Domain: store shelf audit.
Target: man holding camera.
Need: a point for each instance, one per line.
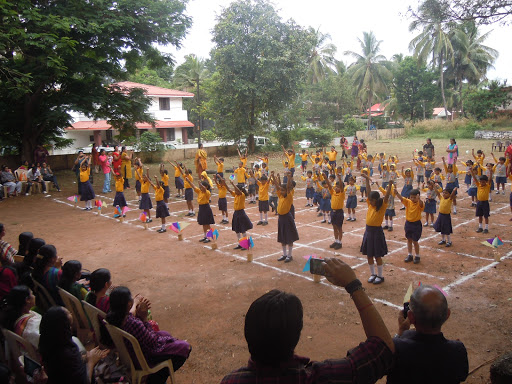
(424, 355)
(272, 329)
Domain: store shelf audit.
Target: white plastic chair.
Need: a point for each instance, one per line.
(119, 336)
(94, 315)
(45, 300)
(80, 321)
(16, 346)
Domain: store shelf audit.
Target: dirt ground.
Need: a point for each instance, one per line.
(202, 295)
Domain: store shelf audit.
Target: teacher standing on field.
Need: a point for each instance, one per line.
(200, 160)
(453, 152)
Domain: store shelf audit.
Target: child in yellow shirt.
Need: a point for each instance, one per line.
(413, 228)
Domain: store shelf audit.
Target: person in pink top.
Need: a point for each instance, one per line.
(104, 162)
(453, 152)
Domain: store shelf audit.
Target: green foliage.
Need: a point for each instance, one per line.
(351, 126)
(150, 144)
(261, 63)
(149, 76)
(57, 56)
(483, 103)
(283, 137)
(442, 129)
(319, 137)
(209, 135)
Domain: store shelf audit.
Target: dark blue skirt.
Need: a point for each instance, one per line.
(317, 197)
(450, 187)
(501, 180)
(119, 200)
(223, 204)
(390, 213)
(351, 202)
(145, 202)
(430, 206)
(325, 204)
(263, 205)
(161, 209)
(189, 194)
(205, 215)
(374, 242)
(178, 183)
(413, 230)
(443, 224)
(467, 179)
(137, 186)
(428, 173)
(310, 192)
(167, 192)
(286, 229)
(472, 191)
(385, 184)
(240, 223)
(406, 191)
(87, 192)
(337, 217)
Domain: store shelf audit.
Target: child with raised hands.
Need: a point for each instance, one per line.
(413, 228)
(351, 192)
(374, 245)
(220, 165)
(178, 181)
(145, 203)
(240, 222)
(361, 183)
(443, 223)
(243, 157)
(205, 214)
(164, 176)
(119, 199)
(390, 208)
(263, 200)
(310, 188)
(223, 204)
(500, 170)
(337, 215)
(408, 176)
(452, 181)
(161, 207)
(189, 192)
(138, 179)
(430, 202)
(87, 193)
(304, 161)
(483, 210)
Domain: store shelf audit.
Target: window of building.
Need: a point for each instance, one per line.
(109, 134)
(165, 103)
(171, 135)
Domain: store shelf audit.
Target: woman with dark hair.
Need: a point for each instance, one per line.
(99, 283)
(355, 148)
(33, 248)
(24, 240)
(156, 346)
(61, 356)
(71, 273)
(47, 270)
(453, 152)
(126, 167)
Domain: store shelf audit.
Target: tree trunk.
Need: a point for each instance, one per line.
(441, 74)
(250, 139)
(369, 111)
(200, 123)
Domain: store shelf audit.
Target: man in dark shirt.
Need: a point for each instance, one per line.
(272, 329)
(424, 356)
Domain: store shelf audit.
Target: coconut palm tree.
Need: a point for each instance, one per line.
(369, 73)
(434, 39)
(321, 60)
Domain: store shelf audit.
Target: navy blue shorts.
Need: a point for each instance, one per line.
(430, 206)
(351, 202)
(501, 180)
(252, 189)
(420, 178)
(304, 164)
(332, 164)
(137, 186)
(337, 217)
(451, 187)
(189, 194)
(406, 191)
(178, 183)
(263, 205)
(223, 204)
(428, 173)
(483, 209)
(390, 213)
(310, 192)
(413, 230)
(362, 189)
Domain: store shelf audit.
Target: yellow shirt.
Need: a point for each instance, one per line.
(445, 205)
(203, 198)
(284, 204)
(187, 178)
(177, 171)
(373, 217)
(337, 199)
(119, 184)
(222, 191)
(165, 179)
(144, 188)
(412, 210)
(84, 175)
(304, 156)
(220, 167)
(241, 174)
(263, 194)
(137, 171)
(239, 201)
(291, 161)
(244, 161)
(482, 193)
(332, 155)
(159, 193)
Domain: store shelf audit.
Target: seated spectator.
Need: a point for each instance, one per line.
(60, 354)
(424, 355)
(47, 174)
(7, 252)
(34, 176)
(18, 316)
(99, 283)
(25, 166)
(25, 268)
(47, 270)
(272, 329)
(8, 180)
(156, 346)
(71, 273)
(8, 280)
(24, 240)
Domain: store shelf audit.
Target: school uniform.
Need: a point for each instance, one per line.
(468, 179)
(413, 227)
(482, 205)
(337, 200)
(87, 193)
(273, 199)
(374, 242)
(241, 175)
(443, 223)
(406, 190)
(438, 179)
(430, 201)
(451, 179)
(167, 191)
(138, 179)
(310, 189)
(304, 159)
(161, 207)
(240, 223)
(205, 214)
(223, 204)
(500, 170)
(220, 169)
(390, 208)
(263, 196)
(286, 229)
(385, 178)
(420, 171)
(145, 201)
(251, 181)
(119, 199)
(351, 191)
(332, 158)
(189, 192)
(472, 190)
(178, 181)
(325, 202)
(428, 169)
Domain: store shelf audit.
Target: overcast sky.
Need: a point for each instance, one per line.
(345, 21)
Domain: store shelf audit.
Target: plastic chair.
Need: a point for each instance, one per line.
(18, 258)
(119, 337)
(80, 321)
(94, 315)
(45, 300)
(17, 346)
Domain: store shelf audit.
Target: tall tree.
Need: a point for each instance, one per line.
(433, 40)
(321, 60)
(369, 72)
(57, 56)
(261, 65)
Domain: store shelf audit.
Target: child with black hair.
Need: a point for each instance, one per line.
(430, 202)
(374, 245)
(263, 200)
(220, 165)
(310, 189)
(443, 223)
(87, 193)
(420, 169)
(189, 192)
(251, 185)
(241, 174)
(223, 204)
(337, 214)
(408, 176)
(351, 192)
(437, 177)
(361, 183)
(162, 211)
(205, 214)
(286, 230)
(240, 222)
(273, 199)
(500, 170)
(347, 170)
(325, 200)
(145, 203)
(482, 206)
(164, 176)
(480, 156)
(119, 199)
(326, 168)
(390, 208)
(139, 170)
(468, 179)
(452, 181)
(413, 208)
(385, 175)
(381, 157)
(304, 161)
(178, 181)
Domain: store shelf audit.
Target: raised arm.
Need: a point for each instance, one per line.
(388, 192)
(454, 192)
(367, 181)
